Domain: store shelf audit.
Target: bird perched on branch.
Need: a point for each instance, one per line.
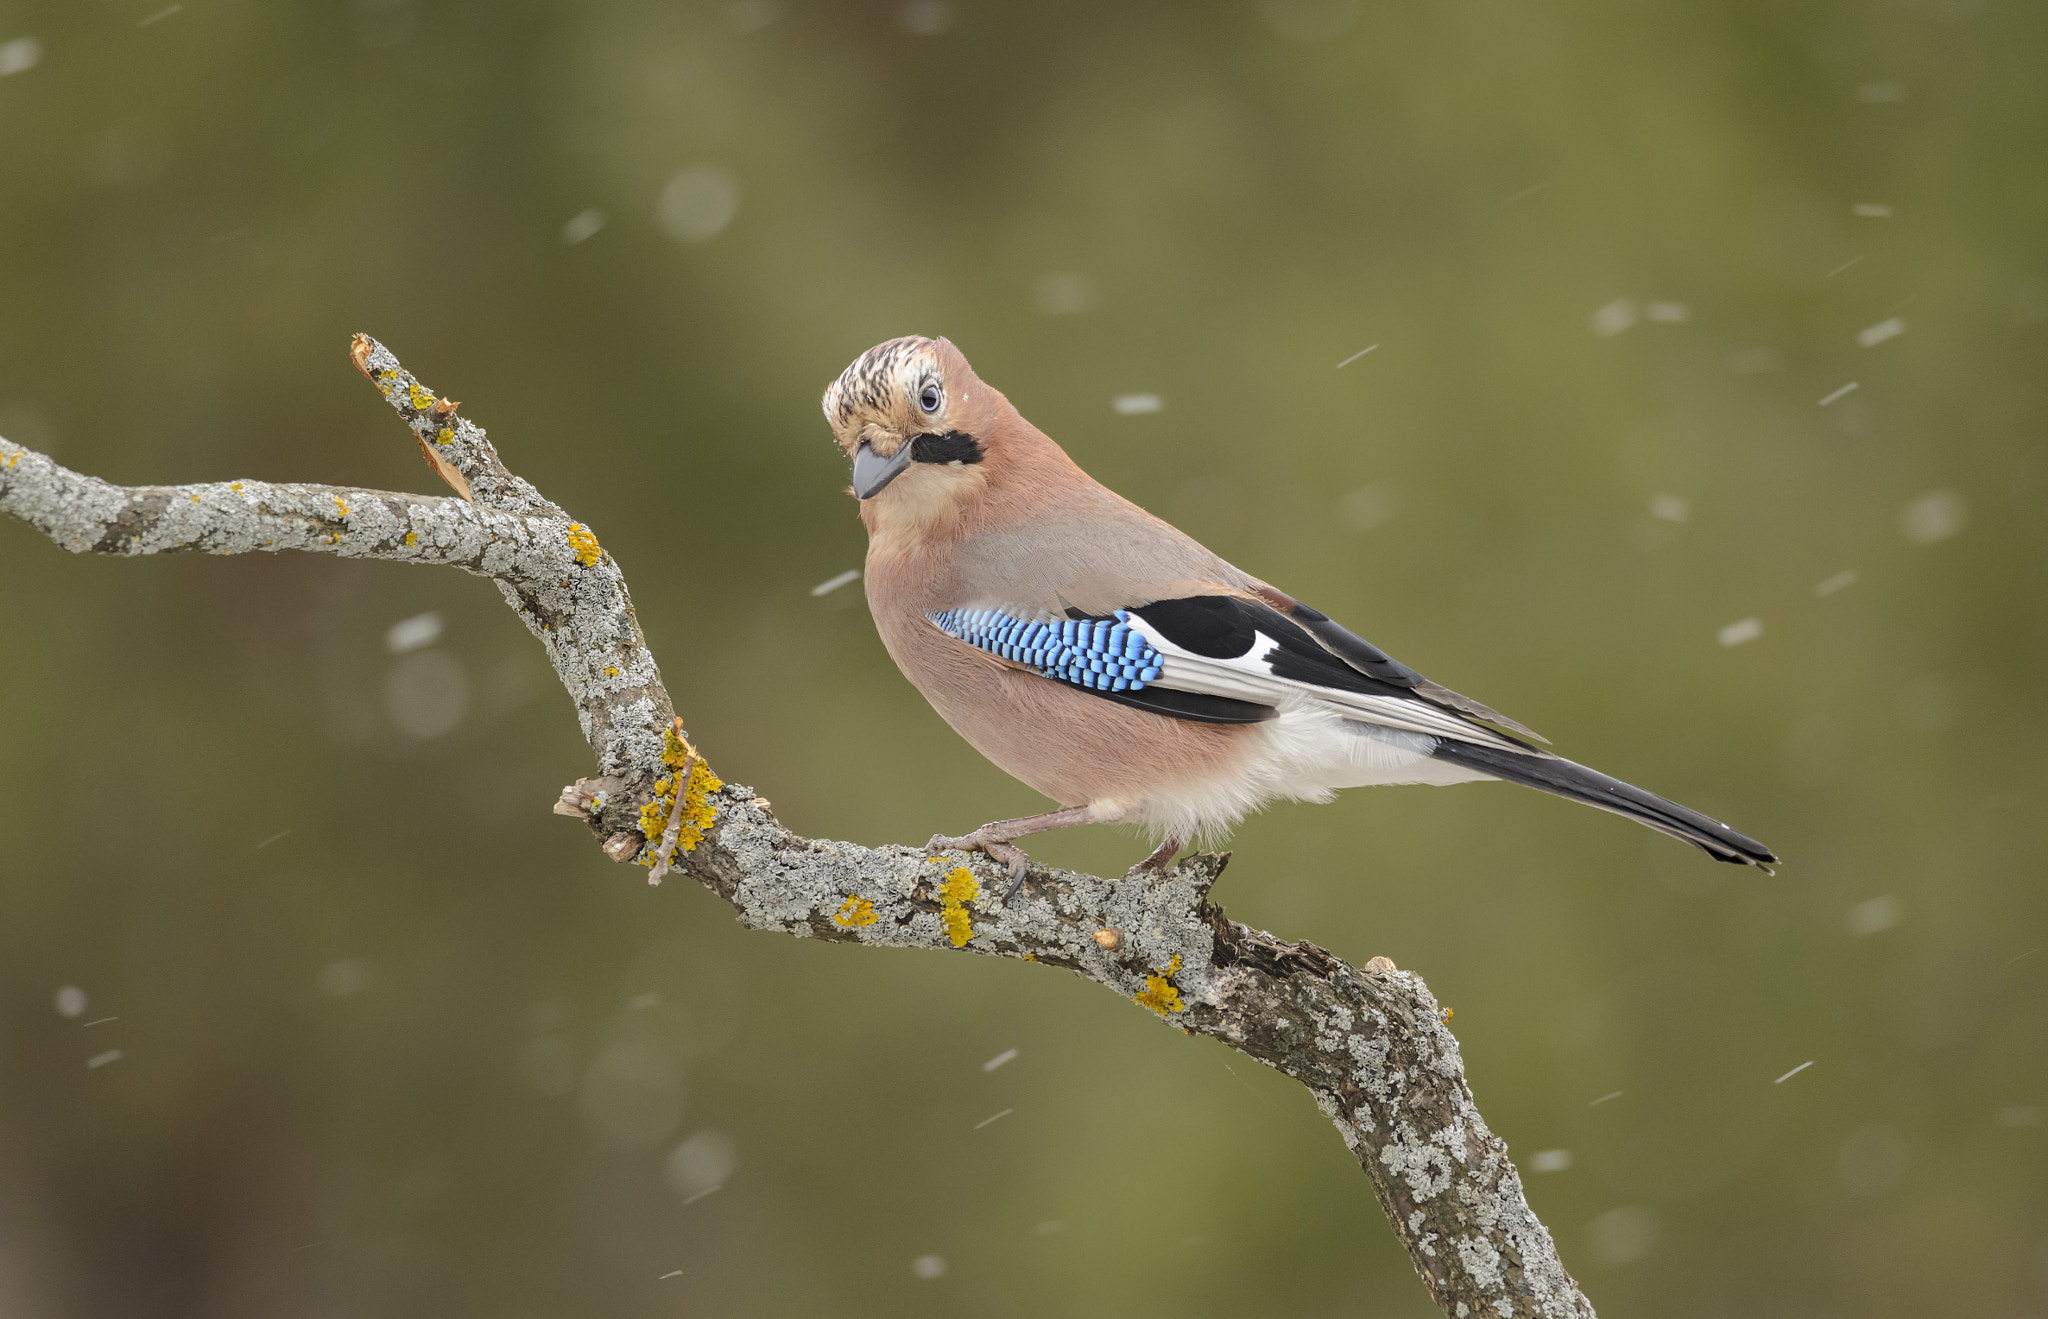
(1111, 662)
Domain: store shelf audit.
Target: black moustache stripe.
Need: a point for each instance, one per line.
(951, 447)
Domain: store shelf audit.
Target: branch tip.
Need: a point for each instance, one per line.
(359, 350)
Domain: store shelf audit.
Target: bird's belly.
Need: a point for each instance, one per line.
(1302, 755)
(1080, 749)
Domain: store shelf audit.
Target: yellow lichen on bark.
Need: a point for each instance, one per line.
(855, 911)
(584, 545)
(1160, 995)
(955, 893)
(700, 812)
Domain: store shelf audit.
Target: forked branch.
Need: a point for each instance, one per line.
(1370, 1044)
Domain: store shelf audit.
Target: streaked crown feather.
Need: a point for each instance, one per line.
(878, 379)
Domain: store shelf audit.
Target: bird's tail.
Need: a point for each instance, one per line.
(1578, 783)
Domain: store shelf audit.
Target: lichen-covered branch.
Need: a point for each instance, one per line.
(1370, 1044)
(551, 570)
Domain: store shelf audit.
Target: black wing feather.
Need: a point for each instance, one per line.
(1194, 707)
(1368, 658)
(1355, 650)
(1226, 627)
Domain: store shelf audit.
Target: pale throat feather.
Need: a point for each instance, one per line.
(927, 502)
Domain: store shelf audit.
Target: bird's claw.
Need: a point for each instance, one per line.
(1155, 866)
(1000, 849)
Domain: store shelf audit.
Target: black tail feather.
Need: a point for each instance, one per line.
(1580, 784)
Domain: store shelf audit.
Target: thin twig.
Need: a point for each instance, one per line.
(666, 852)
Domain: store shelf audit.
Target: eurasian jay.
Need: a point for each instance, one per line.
(1112, 663)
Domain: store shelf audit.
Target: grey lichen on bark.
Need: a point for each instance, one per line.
(1371, 1045)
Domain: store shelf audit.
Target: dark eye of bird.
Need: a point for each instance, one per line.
(929, 399)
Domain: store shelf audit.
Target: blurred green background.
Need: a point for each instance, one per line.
(394, 1040)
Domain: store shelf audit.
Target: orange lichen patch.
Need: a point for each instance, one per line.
(654, 815)
(611, 670)
(959, 889)
(675, 746)
(421, 398)
(337, 503)
(700, 812)
(584, 545)
(855, 912)
(446, 435)
(1160, 995)
(412, 538)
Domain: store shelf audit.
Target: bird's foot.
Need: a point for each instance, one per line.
(1000, 848)
(997, 839)
(1156, 865)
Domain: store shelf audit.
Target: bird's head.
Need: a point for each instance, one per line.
(917, 423)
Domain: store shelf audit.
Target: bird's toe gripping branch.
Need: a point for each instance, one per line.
(1000, 849)
(998, 839)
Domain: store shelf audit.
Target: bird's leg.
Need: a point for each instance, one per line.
(1162, 857)
(997, 839)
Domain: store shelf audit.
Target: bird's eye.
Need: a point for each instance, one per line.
(928, 398)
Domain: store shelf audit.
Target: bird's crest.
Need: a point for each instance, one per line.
(876, 378)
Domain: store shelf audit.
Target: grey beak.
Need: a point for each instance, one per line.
(871, 471)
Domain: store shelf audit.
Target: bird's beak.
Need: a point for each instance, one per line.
(871, 471)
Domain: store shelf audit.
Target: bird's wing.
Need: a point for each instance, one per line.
(1222, 658)
(1098, 556)
(1370, 660)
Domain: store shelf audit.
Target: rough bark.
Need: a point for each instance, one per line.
(1370, 1044)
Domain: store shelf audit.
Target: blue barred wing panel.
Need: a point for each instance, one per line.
(1100, 654)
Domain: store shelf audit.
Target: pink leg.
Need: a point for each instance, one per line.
(997, 839)
(1161, 858)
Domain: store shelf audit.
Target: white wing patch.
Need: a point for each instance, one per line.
(1250, 677)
